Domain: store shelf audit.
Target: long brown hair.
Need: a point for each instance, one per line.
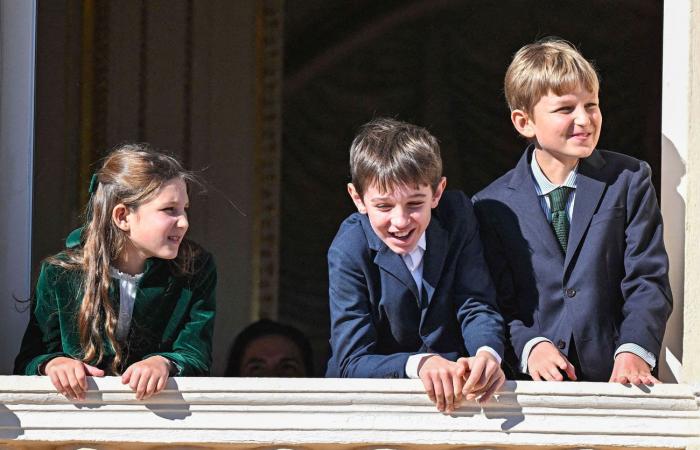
(132, 174)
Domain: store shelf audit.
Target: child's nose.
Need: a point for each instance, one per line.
(582, 117)
(182, 221)
(400, 219)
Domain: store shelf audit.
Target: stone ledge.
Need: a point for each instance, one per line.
(335, 413)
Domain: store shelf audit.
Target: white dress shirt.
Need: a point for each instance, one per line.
(127, 296)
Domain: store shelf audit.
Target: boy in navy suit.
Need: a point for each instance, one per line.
(573, 235)
(410, 293)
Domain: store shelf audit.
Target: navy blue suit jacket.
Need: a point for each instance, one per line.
(612, 285)
(377, 317)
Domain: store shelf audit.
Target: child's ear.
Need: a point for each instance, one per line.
(120, 216)
(438, 192)
(357, 199)
(522, 123)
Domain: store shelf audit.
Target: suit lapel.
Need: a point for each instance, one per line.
(588, 193)
(389, 261)
(526, 204)
(436, 243)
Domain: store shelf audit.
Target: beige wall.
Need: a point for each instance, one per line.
(691, 315)
(680, 188)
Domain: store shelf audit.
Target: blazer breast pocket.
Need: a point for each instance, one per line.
(614, 213)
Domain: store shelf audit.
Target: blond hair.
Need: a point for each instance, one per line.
(131, 174)
(547, 65)
(390, 153)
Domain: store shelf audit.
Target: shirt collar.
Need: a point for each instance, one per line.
(116, 273)
(544, 186)
(415, 256)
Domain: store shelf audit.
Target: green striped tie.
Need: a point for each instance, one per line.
(560, 220)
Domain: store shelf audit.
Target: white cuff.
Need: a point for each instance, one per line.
(414, 361)
(527, 349)
(638, 350)
(493, 352)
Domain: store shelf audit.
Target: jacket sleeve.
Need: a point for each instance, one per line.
(518, 333)
(645, 286)
(353, 335)
(42, 340)
(192, 348)
(473, 293)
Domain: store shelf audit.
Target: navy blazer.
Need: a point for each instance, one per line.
(377, 317)
(612, 285)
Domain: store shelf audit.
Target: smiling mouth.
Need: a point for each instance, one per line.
(174, 239)
(401, 235)
(581, 135)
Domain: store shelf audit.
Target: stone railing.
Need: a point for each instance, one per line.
(345, 414)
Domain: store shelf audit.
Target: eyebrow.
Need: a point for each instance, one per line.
(413, 196)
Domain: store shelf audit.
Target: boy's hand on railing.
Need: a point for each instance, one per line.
(485, 376)
(631, 369)
(147, 377)
(443, 380)
(545, 362)
(69, 376)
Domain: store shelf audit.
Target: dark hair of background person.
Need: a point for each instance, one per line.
(263, 328)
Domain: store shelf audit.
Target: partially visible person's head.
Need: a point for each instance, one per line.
(396, 173)
(549, 65)
(270, 349)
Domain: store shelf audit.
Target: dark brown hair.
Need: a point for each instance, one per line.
(389, 153)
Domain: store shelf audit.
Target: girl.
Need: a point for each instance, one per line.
(130, 295)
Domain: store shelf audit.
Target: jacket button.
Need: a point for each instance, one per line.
(561, 344)
(570, 292)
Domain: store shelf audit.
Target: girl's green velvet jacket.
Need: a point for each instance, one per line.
(173, 316)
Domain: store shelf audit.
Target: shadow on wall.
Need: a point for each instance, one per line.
(10, 426)
(170, 404)
(673, 209)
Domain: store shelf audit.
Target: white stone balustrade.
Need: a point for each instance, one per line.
(345, 414)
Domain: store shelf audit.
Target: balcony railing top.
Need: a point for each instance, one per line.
(346, 413)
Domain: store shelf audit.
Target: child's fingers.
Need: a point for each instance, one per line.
(457, 381)
(74, 383)
(161, 383)
(79, 374)
(649, 380)
(620, 378)
(496, 382)
(57, 383)
(476, 367)
(134, 380)
(142, 386)
(551, 373)
(151, 385)
(492, 372)
(93, 371)
(439, 391)
(535, 375)
(126, 376)
(429, 389)
(570, 371)
(448, 390)
(66, 388)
